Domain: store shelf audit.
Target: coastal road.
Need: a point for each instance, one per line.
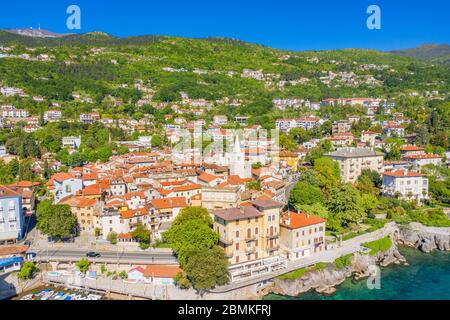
(119, 256)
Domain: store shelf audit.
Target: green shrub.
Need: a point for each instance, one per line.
(376, 246)
(343, 261)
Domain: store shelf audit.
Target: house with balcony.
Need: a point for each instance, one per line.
(250, 231)
(405, 184)
(301, 235)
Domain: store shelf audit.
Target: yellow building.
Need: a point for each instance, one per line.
(250, 231)
(86, 211)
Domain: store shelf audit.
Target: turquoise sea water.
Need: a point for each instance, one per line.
(427, 278)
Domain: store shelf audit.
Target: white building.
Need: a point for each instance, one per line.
(423, 159)
(408, 184)
(71, 142)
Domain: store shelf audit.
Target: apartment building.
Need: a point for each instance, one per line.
(342, 126)
(11, 215)
(353, 160)
(249, 232)
(301, 235)
(86, 210)
(220, 197)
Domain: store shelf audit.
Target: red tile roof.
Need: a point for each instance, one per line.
(402, 173)
(161, 271)
(206, 177)
(167, 203)
(423, 156)
(412, 148)
(299, 220)
(7, 192)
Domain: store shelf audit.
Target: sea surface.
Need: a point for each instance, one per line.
(426, 278)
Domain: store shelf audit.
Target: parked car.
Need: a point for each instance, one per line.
(93, 254)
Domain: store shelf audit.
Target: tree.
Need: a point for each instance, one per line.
(253, 185)
(188, 236)
(328, 173)
(27, 271)
(305, 193)
(207, 268)
(300, 135)
(47, 171)
(315, 209)
(345, 204)
(374, 176)
(156, 141)
(55, 220)
(193, 213)
(182, 281)
(112, 237)
(83, 265)
(142, 235)
(191, 230)
(318, 152)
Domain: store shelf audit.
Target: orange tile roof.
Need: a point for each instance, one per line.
(207, 177)
(25, 184)
(299, 220)
(130, 195)
(167, 203)
(412, 148)
(62, 176)
(7, 192)
(402, 173)
(128, 214)
(237, 180)
(423, 156)
(188, 187)
(125, 236)
(79, 202)
(161, 271)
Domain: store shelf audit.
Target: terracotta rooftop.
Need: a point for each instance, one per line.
(266, 203)
(293, 220)
(167, 203)
(402, 173)
(243, 212)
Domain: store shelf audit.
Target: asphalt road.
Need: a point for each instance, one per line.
(108, 256)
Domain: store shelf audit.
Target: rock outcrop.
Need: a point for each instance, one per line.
(324, 281)
(425, 238)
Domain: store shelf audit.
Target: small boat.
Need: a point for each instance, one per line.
(47, 295)
(41, 293)
(67, 298)
(58, 296)
(27, 297)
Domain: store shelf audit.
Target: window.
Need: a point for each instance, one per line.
(237, 233)
(237, 246)
(256, 230)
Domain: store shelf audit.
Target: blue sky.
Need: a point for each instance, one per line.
(284, 24)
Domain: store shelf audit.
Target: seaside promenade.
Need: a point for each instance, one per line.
(236, 290)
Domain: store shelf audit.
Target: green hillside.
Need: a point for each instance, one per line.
(101, 66)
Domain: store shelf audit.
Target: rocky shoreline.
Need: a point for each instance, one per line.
(424, 238)
(325, 281)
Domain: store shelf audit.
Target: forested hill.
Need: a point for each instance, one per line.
(431, 52)
(105, 68)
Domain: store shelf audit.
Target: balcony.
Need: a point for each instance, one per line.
(274, 248)
(273, 235)
(227, 242)
(250, 250)
(249, 239)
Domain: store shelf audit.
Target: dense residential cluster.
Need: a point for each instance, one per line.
(299, 172)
